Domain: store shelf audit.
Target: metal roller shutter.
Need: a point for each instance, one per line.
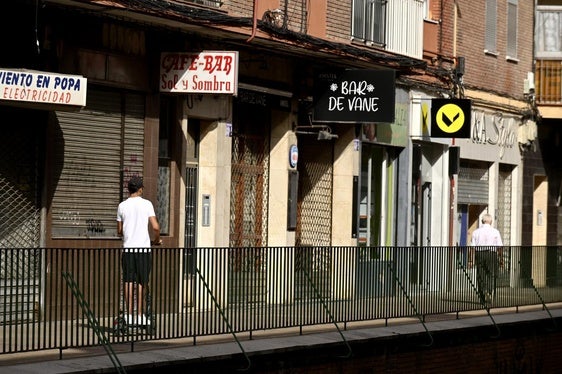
(99, 149)
(473, 183)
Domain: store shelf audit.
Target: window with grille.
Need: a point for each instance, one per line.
(512, 29)
(491, 22)
(368, 22)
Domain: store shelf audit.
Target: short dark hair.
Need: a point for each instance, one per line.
(135, 184)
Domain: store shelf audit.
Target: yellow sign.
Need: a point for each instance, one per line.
(450, 118)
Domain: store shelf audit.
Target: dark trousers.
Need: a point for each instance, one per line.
(487, 264)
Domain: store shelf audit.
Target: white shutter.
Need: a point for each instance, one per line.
(491, 22)
(512, 28)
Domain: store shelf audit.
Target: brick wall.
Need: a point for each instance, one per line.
(542, 159)
(520, 348)
(486, 71)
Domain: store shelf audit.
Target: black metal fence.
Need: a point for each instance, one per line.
(64, 298)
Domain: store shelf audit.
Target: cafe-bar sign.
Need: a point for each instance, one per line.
(214, 72)
(31, 86)
(355, 96)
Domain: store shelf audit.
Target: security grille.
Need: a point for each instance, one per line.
(20, 214)
(250, 163)
(314, 220)
(249, 208)
(503, 220)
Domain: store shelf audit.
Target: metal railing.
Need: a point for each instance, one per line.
(211, 291)
(548, 90)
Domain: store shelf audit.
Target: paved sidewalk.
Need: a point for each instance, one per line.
(157, 355)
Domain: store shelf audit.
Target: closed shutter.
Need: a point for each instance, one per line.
(473, 183)
(491, 22)
(512, 28)
(98, 149)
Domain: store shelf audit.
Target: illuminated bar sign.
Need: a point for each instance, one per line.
(355, 96)
(204, 72)
(29, 86)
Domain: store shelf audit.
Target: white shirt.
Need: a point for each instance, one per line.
(134, 213)
(486, 235)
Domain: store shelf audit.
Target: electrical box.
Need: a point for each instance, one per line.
(206, 212)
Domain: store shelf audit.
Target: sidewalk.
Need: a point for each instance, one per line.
(156, 355)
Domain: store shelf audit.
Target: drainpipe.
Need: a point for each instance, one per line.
(255, 23)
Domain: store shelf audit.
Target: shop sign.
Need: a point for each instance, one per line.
(214, 72)
(494, 129)
(29, 86)
(293, 155)
(354, 96)
(450, 118)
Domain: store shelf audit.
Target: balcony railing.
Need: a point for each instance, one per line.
(548, 83)
(64, 298)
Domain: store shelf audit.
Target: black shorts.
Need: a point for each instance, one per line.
(136, 266)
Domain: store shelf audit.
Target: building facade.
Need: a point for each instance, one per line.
(247, 163)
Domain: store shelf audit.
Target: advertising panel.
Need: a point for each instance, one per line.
(214, 72)
(354, 96)
(28, 86)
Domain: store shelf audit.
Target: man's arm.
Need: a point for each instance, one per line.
(155, 229)
(120, 228)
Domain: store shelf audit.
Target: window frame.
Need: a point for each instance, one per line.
(491, 30)
(512, 30)
(543, 54)
(364, 21)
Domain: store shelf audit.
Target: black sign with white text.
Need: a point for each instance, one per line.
(355, 96)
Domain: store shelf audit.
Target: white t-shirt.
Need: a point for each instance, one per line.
(134, 213)
(486, 235)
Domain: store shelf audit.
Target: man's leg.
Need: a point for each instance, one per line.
(128, 285)
(480, 275)
(140, 298)
(490, 274)
(144, 267)
(129, 296)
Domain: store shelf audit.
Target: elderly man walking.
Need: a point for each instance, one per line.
(488, 251)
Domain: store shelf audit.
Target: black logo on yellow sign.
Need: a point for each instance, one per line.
(450, 118)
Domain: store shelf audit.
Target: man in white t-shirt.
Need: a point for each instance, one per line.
(488, 247)
(133, 218)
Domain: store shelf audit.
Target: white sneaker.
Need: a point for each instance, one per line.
(141, 320)
(145, 320)
(129, 319)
